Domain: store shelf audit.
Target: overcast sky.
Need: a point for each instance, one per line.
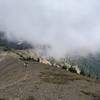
(66, 25)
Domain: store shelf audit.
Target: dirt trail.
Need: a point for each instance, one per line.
(15, 82)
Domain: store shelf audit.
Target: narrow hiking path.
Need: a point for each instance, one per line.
(25, 77)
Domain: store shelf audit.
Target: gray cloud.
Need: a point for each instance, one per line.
(66, 25)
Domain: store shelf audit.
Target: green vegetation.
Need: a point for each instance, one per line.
(64, 67)
(2, 98)
(61, 78)
(89, 66)
(28, 98)
(72, 70)
(82, 72)
(27, 58)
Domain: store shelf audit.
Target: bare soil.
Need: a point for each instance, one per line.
(42, 82)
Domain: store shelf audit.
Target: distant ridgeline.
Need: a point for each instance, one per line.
(13, 44)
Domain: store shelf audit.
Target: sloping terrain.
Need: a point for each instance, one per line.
(90, 64)
(42, 82)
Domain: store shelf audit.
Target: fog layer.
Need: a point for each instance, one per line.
(67, 26)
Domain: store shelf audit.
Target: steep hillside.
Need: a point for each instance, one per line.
(37, 81)
(89, 64)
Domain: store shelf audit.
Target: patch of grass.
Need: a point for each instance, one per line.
(54, 78)
(28, 98)
(29, 59)
(61, 78)
(2, 98)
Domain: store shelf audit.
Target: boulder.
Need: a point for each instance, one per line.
(44, 61)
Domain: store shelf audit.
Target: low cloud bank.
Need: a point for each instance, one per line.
(67, 27)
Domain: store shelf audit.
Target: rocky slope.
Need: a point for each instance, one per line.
(37, 81)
